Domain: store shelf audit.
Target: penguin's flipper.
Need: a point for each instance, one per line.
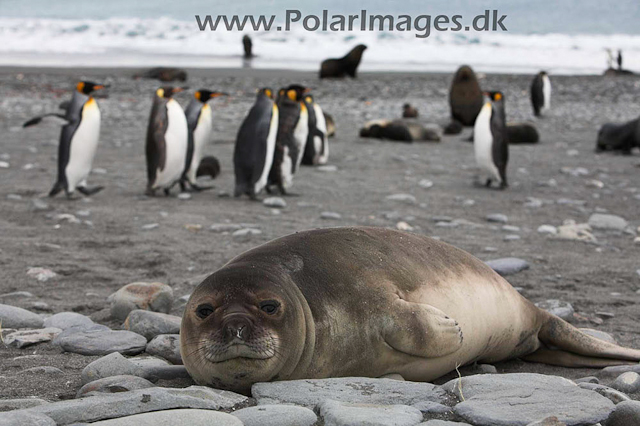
(57, 187)
(89, 191)
(64, 105)
(36, 120)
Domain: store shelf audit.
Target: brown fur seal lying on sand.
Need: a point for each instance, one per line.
(399, 130)
(369, 302)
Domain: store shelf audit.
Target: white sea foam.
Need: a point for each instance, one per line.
(132, 42)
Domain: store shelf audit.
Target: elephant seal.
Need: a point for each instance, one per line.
(345, 66)
(465, 96)
(361, 301)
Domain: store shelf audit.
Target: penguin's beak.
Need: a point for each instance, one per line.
(216, 94)
(100, 86)
(307, 90)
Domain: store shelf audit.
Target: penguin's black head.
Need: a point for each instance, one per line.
(87, 87)
(168, 91)
(495, 95)
(204, 95)
(296, 92)
(266, 91)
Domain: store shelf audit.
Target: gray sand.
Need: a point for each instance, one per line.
(95, 260)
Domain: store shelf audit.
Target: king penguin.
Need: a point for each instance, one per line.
(316, 151)
(293, 129)
(78, 140)
(540, 93)
(255, 145)
(167, 140)
(200, 124)
(490, 140)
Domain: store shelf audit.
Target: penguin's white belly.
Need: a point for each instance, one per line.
(286, 169)
(201, 138)
(322, 149)
(84, 144)
(546, 92)
(300, 134)
(175, 139)
(483, 144)
(271, 147)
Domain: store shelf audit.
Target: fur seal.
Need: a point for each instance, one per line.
(400, 131)
(369, 302)
(331, 124)
(163, 74)
(619, 137)
(465, 96)
(522, 133)
(409, 111)
(209, 166)
(345, 66)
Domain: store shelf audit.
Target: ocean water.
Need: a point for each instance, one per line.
(568, 37)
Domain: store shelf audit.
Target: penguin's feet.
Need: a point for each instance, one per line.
(150, 192)
(89, 191)
(198, 188)
(167, 191)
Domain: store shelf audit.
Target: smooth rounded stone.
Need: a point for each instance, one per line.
(425, 183)
(225, 227)
(184, 196)
(115, 384)
(588, 379)
(166, 346)
(402, 198)
(442, 423)
(549, 421)
(16, 295)
(24, 338)
(616, 370)
(276, 415)
(510, 228)
(14, 317)
(20, 403)
(151, 324)
(309, 393)
(508, 265)
(613, 395)
(497, 218)
(330, 216)
(38, 205)
(65, 320)
(175, 417)
(102, 342)
(156, 297)
(628, 382)
(558, 308)
(336, 413)
(429, 407)
(110, 365)
(547, 229)
(45, 369)
(274, 202)
(25, 418)
(599, 335)
(511, 237)
(103, 406)
(627, 413)
(246, 233)
(607, 222)
(522, 398)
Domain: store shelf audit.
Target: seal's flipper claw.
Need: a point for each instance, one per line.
(422, 330)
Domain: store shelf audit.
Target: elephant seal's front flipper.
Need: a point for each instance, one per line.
(439, 336)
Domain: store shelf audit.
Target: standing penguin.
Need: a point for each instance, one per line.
(167, 140)
(200, 124)
(316, 150)
(78, 140)
(490, 140)
(293, 129)
(540, 93)
(255, 145)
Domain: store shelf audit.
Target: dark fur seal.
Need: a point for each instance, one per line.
(367, 302)
(465, 96)
(399, 130)
(164, 74)
(345, 66)
(619, 137)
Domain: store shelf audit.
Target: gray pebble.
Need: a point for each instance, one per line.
(430, 407)
(17, 404)
(14, 317)
(65, 320)
(497, 218)
(508, 265)
(24, 338)
(25, 418)
(337, 413)
(150, 324)
(613, 395)
(276, 415)
(102, 342)
(547, 229)
(190, 417)
(607, 222)
(115, 384)
(110, 365)
(402, 198)
(511, 237)
(166, 346)
(225, 227)
(330, 215)
(16, 295)
(275, 202)
(628, 382)
(556, 307)
(627, 413)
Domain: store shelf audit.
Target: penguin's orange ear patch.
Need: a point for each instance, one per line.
(197, 95)
(498, 96)
(268, 93)
(291, 94)
(80, 86)
(308, 99)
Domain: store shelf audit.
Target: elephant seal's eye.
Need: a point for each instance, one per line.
(269, 306)
(204, 311)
